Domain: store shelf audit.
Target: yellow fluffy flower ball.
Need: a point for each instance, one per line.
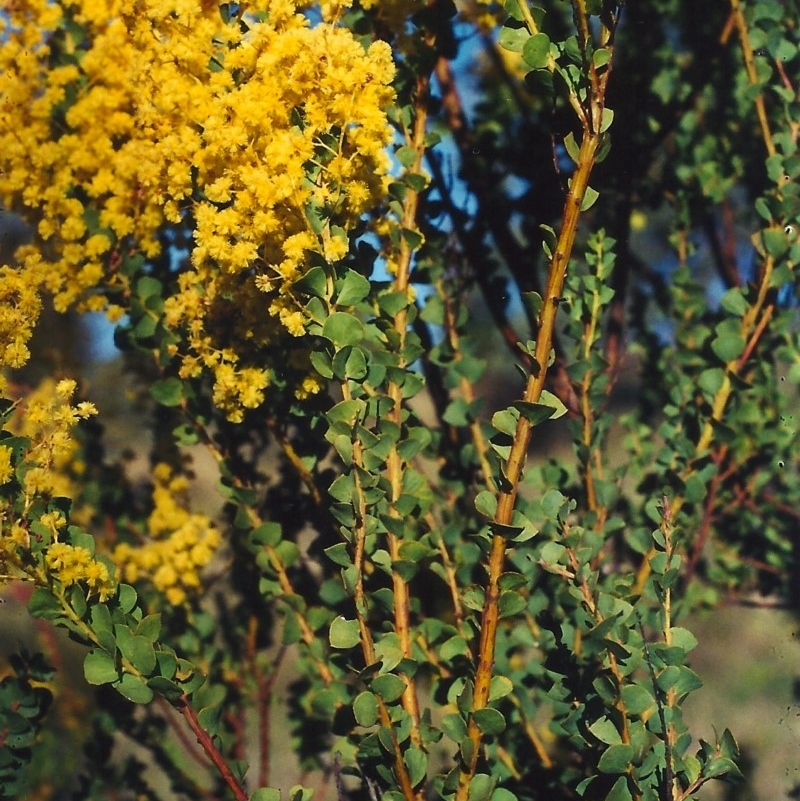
(179, 544)
(121, 120)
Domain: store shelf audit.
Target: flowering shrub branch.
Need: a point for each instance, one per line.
(291, 211)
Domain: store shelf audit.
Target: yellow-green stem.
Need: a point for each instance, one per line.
(752, 74)
(394, 464)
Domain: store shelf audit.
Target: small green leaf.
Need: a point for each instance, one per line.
(608, 118)
(413, 238)
(500, 687)
(137, 650)
(605, 731)
(353, 290)
(513, 10)
(681, 679)
(316, 214)
(266, 794)
(481, 787)
(457, 412)
(510, 604)
(549, 407)
(452, 647)
(100, 618)
(388, 649)
(473, 598)
(365, 709)
(344, 633)
(552, 503)
(505, 421)
(551, 553)
(536, 51)
(339, 554)
(486, 504)
(573, 151)
(166, 688)
(389, 687)
(589, 198)
(734, 302)
(314, 283)
(512, 581)
(620, 791)
(167, 664)
(601, 57)
(147, 286)
(454, 727)
(167, 391)
(615, 759)
(321, 362)
(292, 633)
(100, 667)
(299, 793)
(343, 329)
(415, 181)
(417, 763)
(490, 721)
(683, 638)
(711, 380)
(533, 300)
(149, 627)
(134, 689)
(350, 363)
(728, 746)
(346, 411)
(393, 302)
(727, 345)
(637, 699)
(695, 489)
(776, 243)
(266, 534)
(722, 766)
(513, 39)
(145, 328)
(127, 597)
(406, 155)
(418, 440)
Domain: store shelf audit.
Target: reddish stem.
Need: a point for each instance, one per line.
(180, 733)
(212, 752)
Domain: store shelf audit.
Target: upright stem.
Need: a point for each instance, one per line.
(362, 611)
(394, 463)
(752, 73)
(522, 438)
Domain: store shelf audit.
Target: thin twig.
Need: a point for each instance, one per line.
(184, 707)
(669, 783)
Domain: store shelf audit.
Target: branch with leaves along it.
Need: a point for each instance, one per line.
(592, 122)
(515, 256)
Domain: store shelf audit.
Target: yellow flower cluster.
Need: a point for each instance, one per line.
(118, 119)
(20, 306)
(180, 542)
(46, 418)
(72, 564)
(6, 468)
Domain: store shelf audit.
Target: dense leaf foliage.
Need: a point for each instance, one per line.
(380, 261)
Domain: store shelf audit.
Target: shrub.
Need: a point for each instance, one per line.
(323, 231)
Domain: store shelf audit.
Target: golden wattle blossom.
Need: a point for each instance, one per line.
(121, 120)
